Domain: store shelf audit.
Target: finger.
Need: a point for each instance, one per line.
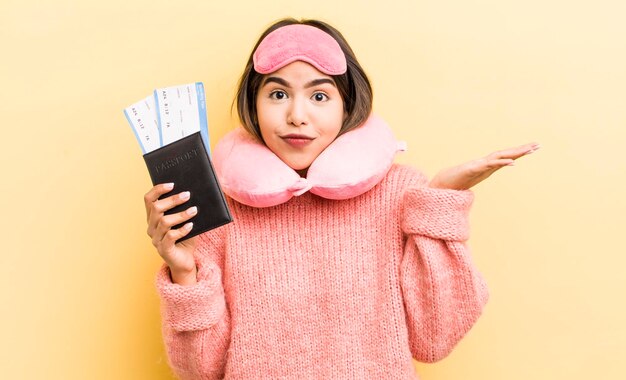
(500, 163)
(163, 205)
(168, 221)
(157, 209)
(497, 165)
(479, 167)
(155, 193)
(516, 152)
(169, 240)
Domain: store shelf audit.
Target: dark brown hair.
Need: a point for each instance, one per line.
(353, 85)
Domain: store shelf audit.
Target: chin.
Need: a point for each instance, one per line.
(298, 164)
(299, 167)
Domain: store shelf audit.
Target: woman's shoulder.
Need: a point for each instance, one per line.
(403, 176)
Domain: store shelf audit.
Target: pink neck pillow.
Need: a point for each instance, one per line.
(355, 162)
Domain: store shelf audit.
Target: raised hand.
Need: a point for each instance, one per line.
(467, 175)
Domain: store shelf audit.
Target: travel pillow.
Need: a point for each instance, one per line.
(356, 161)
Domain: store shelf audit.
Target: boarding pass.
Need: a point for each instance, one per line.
(168, 115)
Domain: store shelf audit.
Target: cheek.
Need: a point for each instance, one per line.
(268, 134)
(264, 121)
(334, 121)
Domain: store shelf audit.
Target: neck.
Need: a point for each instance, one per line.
(302, 172)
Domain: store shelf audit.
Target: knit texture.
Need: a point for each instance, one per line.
(323, 289)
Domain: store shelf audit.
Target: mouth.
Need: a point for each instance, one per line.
(297, 140)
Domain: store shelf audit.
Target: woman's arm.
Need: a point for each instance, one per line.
(196, 319)
(443, 292)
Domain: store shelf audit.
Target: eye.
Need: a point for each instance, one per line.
(278, 95)
(320, 97)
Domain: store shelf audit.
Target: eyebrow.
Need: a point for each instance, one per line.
(313, 83)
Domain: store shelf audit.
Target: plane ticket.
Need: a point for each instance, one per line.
(168, 115)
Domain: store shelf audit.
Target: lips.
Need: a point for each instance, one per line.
(297, 140)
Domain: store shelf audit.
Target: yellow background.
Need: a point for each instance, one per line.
(455, 79)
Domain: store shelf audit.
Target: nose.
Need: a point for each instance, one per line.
(297, 114)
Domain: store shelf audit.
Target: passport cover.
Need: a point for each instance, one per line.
(185, 162)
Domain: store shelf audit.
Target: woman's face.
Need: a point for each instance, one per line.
(300, 112)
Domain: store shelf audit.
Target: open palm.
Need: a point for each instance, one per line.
(467, 175)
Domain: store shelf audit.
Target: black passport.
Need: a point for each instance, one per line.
(185, 162)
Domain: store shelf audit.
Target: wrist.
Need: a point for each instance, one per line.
(184, 276)
(435, 184)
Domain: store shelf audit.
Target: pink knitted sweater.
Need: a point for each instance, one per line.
(323, 289)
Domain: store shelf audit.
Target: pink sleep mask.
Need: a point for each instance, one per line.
(356, 161)
(299, 42)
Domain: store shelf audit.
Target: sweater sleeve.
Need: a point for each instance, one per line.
(443, 292)
(196, 319)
